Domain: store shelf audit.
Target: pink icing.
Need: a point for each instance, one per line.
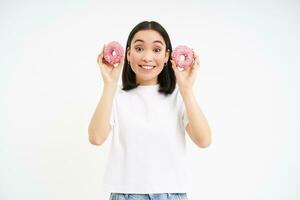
(185, 51)
(113, 52)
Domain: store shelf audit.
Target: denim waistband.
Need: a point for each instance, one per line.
(152, 196)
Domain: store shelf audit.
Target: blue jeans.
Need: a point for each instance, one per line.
(157, 196)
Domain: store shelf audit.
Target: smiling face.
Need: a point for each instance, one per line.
(147, 55)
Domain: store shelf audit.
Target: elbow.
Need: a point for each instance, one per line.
(98, 137)
(204, 142)
(94, 140)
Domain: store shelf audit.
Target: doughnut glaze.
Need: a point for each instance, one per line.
(113, 52)
(184, 52)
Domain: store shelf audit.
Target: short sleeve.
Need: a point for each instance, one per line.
(112, 118)
(113, 112)
(184, 116)
(183, 113)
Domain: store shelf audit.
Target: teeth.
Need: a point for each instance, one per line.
(147, 66)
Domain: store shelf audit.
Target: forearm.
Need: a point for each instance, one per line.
(99, 126)
(198, 124)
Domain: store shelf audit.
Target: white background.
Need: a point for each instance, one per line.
(246, 86)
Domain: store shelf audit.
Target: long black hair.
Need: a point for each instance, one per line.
(167, 78)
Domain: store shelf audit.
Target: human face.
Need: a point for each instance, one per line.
(147, 55)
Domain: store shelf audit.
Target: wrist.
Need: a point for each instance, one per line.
(110, 87)
(110, 84)
(186, 91)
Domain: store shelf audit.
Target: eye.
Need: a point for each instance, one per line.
(138, 49)
(157, 50)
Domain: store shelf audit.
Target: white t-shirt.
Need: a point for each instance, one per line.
(148, 150)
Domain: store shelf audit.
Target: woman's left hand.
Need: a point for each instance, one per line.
(186, 78)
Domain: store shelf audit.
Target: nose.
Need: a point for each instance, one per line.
(147, 56)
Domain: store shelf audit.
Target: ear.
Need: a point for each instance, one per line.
(128, 53)
(167, 55)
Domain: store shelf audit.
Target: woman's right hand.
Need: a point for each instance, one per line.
(110, 74)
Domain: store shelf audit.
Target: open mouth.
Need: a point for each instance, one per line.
(147, 67)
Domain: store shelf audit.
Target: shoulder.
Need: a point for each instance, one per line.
(122, 94)
(177, 94)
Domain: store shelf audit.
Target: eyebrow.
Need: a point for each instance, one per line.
(156, 41)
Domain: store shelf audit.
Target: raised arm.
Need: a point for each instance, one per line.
(99, 127)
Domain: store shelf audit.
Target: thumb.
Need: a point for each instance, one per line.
(121, 64)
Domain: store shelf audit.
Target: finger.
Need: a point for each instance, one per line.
(121, 64)
(100, 56)
(123, 60)
(99, 59)
(173, 64)
(193, 59)
(195, 68)
(194, 54)
(174, 67)
(197, 62)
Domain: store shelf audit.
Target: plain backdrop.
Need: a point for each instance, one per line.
(247, 86)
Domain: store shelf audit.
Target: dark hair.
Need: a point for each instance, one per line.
(167, 78)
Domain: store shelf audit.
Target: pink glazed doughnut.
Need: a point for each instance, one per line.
(183, 51)
(113, 52)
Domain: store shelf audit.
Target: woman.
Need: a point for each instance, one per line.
(148, 118)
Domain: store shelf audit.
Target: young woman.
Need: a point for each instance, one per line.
(148, 117)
